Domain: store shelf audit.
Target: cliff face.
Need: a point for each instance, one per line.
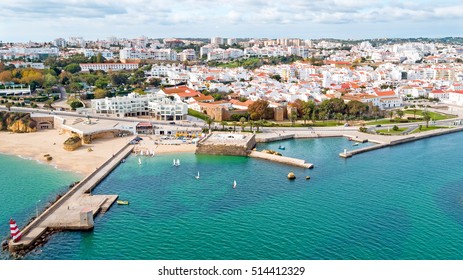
(17, 122)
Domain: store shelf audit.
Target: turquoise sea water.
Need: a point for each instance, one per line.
(403, 202)
(23, 183)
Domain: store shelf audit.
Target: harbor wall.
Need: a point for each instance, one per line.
(35, 224)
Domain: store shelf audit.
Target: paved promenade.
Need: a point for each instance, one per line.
(68, 213)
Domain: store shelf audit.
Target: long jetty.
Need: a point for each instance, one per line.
(281, 159)
(401, 140)
(75, 209)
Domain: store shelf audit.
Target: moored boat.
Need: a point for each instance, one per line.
(122, 202)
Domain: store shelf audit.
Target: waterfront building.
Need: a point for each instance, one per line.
(158, 106)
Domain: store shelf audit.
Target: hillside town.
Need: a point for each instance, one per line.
(221, 78)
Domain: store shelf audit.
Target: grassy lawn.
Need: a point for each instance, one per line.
(434, 116)
(424, 128)
(197, 114)
(392, 132)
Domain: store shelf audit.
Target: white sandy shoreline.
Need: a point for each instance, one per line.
(35, 145)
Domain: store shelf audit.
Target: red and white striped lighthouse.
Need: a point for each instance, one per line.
(15, 232)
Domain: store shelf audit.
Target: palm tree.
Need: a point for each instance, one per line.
(223, 123)
(391, 114)
(234, 126)
(293, 117)
(243, 121)
(414, 113)
(426, 117)
(339, 117)
(251, 123)
(209, 122)
(259, 123)
(8, 106)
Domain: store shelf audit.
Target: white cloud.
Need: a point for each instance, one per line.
(189, 15)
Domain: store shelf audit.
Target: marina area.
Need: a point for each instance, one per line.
(340, 207)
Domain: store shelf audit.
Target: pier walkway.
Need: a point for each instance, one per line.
(281, 159)
(75, 209)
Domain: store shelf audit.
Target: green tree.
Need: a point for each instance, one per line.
(391, 114)
(49, 103)
(293, 117)
(49, 80)
(426, 117)
(243, 123)
(72, 68)
(8, 105)
(276, 77)
(234, 126)
(259, 123)
(223, 123)
(118, 79)
(339, 117)
(209, 122)
(356, 108)
(101, 83)
(100, 93)
(400, 113)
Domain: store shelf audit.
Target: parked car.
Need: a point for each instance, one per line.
(172, 123)
(378, 125)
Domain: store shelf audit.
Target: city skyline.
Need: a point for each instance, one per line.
(341, 19)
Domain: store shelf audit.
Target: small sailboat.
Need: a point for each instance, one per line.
(355, 144)
(141, 152)
(234, 184)
(178, 162)
(139, 161)
(197, 176)
(281, 147)
(174, 163)
(122, 202)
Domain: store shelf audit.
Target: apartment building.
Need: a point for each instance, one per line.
(156, 105)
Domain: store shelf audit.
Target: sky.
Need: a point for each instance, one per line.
(45, 20)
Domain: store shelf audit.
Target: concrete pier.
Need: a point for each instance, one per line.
(388, 141)
(75, 209)
(281, 159)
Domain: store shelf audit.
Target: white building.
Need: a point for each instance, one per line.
(456, 97)
(231, 41)
(157, 106)
(86, 67)
(217, 40)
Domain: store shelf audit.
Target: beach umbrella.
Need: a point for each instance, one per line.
(15, 232)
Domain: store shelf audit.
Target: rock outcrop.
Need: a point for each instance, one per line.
(17, 122)
(72, 143)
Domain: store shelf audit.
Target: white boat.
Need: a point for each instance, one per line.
(174, 163)
(197, 176)
(234, 184)
(139, 161)
(141, 153)
(178, 162)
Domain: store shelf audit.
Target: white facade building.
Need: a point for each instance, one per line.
(86, 67)
(157, 105)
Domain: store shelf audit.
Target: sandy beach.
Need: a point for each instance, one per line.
(36, 145)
